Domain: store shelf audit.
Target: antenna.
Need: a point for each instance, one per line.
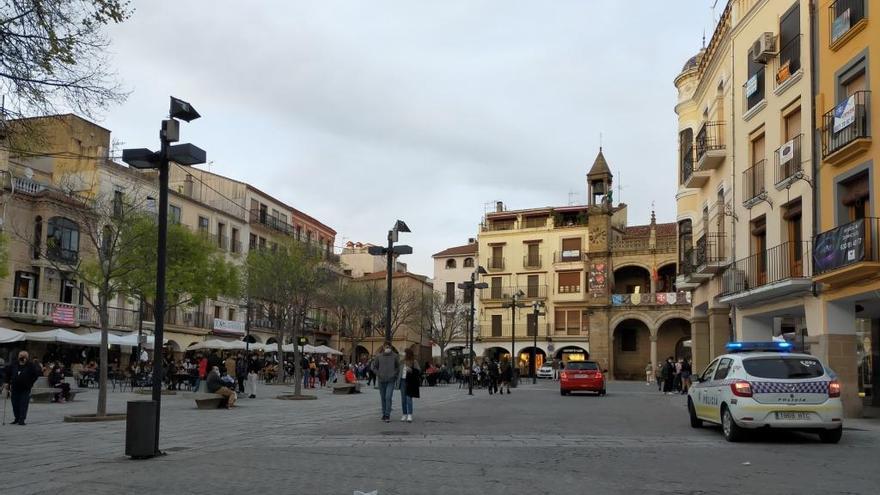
(600, 141)
(571, 195)
(620, 188)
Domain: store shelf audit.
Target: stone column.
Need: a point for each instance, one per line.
(700, 343)
(837, 347)
(719, 331)
(654, 352)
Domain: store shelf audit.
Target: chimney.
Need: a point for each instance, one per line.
(499, 206)
(471, 240)
(188, 186)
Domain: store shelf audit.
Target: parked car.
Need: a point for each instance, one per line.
(545, 371)
(582, 376)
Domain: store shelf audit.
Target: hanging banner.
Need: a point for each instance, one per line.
(840, 25)
(597, 279)
(839, 247)
(845, 113)
(228, 327)
(64, 314)
(786, 152)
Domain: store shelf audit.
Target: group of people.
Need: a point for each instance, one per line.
(391, 373)
(671, 376)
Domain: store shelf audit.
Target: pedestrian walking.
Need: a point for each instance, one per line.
(386, 367)
(649, 374)
(506, 376)
(409, 384)
(20, 377)
(253, 375)
(686, 371)
(668, 375)
(494, 376)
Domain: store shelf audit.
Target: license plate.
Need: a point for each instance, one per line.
(581, 376)
(798, 416)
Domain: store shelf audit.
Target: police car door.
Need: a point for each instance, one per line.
(719, 386)
(704, 394)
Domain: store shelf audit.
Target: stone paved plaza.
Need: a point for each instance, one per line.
(635, 440)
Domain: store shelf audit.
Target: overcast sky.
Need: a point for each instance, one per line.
(362, 112)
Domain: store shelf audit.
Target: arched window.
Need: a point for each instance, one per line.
(468, 263)
(450, 263)
(62, 240)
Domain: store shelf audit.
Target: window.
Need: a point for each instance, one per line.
(450, 292)
(231, 314)
(38, 236)
(531, 324)
(26, 285)
(759, 249)
(710, 370)
(496, 262)
(753, 177)
(570, 321)
(856, 197)
(686, 154)
(67, 289)
(496, 325)
(719, 213)
(252, 242)
(532, 286)
(685, 243)
(533, 258)
(174, 214)
(569, 282)
(221, 235)
(495, 285)
(299, 232)
(571, 249)
(203, 225)
(754, 87)
(262, 243)
(450, 264)
(62, 240)
(217, 312)
(235, 248)
(117, 203)
(783, 368)
(628, 340)
(723, 369)
(844, 15)
(468, 263)
(788, 157)
(789, 44)
(791, 215)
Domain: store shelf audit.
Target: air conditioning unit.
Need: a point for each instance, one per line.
(764, 48)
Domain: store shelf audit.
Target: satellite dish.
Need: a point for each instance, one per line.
(28, 173)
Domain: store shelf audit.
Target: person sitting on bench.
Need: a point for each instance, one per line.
(56, 380)
(215, 386)
(349, 375)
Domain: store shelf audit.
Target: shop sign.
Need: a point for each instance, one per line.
(786, 152)
(228, 326)
(839, 247)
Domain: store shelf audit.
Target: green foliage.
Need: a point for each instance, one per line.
(4, 255)
(195, 270)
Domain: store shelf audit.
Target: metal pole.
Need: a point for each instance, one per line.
(471, 337)
(389, 269)
(161, 252)
(512, 337)
(247, 329)
(534, 349)
(140, 326)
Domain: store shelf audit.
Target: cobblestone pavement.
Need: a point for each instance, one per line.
(635, 440)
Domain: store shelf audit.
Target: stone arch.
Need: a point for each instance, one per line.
(253, 339)
(632, 277)
(540, 359)
(667, 270)
(631, 348)
(361, 353)
(672, 333)
(671, 315)
(271, 340)
(566, 353)
(496, 352)
(631, 315)
(173, 345)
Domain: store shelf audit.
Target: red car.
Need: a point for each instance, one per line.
(582, 376)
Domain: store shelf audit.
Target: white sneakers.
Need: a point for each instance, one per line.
(403, 418)
(406, 418)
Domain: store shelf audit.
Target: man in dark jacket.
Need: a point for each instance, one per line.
(386, 366)
(20, 377)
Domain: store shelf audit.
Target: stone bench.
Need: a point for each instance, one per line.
(209, 401)
(43, 393)
(346, 388)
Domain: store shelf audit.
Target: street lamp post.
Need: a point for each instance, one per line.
(513, 304)
(470, 287)
(390, 253)
(536, 309)
(142, 158)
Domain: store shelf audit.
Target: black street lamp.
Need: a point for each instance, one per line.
(142, 158)
(513, 304)
(470, 288)
(536, 310)
(391, 252)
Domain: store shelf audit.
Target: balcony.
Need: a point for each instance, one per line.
(753, 95)
(59, 254)
(789, 166)
(710, 253)
(504, 293)
(845, 131)
(692, 178)
(532, 261)
(780, 271)
(46, 312)
(27, 186)
(686, 278)
(754, 190)
(502, 332)
(847, 253)
(498, 225)
(680, 298)
(846, 19)
(710, 146)
(573, 256)
(495, 264)
(260, 217)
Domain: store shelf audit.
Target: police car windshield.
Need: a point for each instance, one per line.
(581, 365)
(783, 367)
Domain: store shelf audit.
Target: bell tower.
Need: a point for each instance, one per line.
(599, 180)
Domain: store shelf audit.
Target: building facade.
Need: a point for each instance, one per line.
(607, 289)
(453, 266)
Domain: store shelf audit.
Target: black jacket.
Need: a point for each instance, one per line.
(413, 380)
(22, 377)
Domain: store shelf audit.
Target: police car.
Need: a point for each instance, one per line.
(763, 384)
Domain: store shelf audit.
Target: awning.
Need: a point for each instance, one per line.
(8, 336)
(59, 336)
(323, 349)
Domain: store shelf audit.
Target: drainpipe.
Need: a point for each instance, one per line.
(732, 172)
(814, 162)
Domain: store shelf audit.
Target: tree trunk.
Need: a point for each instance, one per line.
(103, 314)
(297, 374)
(443, 355)
(281, 371)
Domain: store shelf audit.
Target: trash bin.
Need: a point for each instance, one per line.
(140, 429)
(514, 379)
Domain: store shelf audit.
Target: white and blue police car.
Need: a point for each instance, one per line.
(763, 384)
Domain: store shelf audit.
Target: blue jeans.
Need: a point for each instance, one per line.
(405, 400)
(386, 390)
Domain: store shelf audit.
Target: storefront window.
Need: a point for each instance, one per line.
(864, 347)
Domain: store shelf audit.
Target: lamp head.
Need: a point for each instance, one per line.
(182, 110)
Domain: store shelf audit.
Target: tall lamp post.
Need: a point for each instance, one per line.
(536, 310)
(390, 253)
(142, 158)
(513, 304)
(470, 288)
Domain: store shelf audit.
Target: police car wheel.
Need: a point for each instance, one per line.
(732, 432)
(695, 421)
(831, 436)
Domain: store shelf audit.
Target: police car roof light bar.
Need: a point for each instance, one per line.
(758, 346)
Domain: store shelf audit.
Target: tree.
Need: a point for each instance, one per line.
(449, 321)
(53, 53)
(353, 306)
(287, 281)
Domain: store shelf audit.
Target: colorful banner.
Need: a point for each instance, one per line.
(839, 247)
(660, 298)
(64, 315)
(597, 279)
(786, 152)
